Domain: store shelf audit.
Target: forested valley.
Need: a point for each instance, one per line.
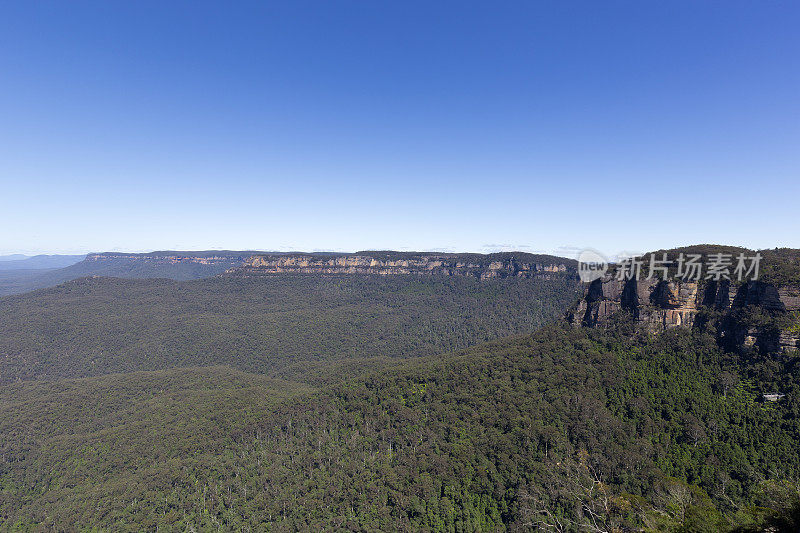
(295, 326)
(361, 403)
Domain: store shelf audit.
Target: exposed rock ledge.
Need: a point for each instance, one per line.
(501, 265)
(658, 305)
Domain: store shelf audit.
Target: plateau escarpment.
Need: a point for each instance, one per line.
(753, 314)
(166, 264)
(190, 265)
(490, 266)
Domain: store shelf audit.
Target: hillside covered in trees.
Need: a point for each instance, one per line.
(283, 326)
(562, 430)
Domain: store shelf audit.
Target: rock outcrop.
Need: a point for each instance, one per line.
(656, 304)
(501, 265)
(753, 315)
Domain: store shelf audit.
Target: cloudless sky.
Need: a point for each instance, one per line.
(343, 125)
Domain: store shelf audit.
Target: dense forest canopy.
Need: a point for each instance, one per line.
(665, 433)
(283, 325)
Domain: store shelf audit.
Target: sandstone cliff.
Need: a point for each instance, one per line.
(500, 265)
(762, 315)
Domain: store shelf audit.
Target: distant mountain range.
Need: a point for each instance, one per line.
(177, 265)
(21, 273)
(24, 262)
(41, 271)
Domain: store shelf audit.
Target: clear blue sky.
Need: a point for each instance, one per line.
(407, 125)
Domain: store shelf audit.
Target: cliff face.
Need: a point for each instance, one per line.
(656, 304)
(754, 314)
(394, 263)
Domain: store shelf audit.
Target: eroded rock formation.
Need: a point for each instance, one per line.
(657, 305)
(489, 266)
